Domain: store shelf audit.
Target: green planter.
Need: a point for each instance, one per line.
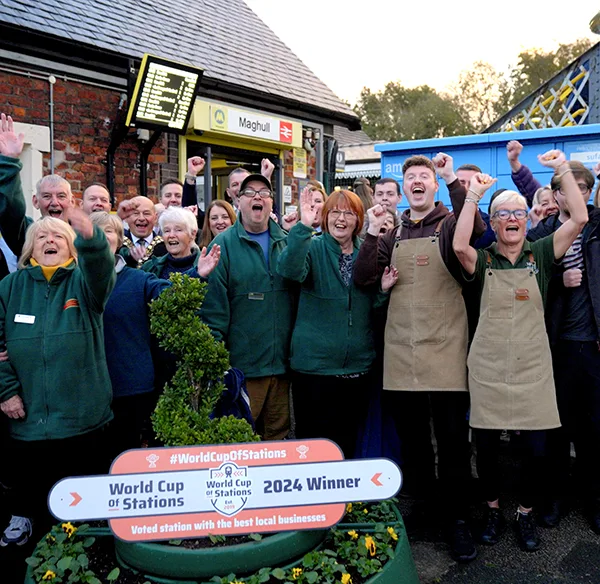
(246, 558)
(175, 565)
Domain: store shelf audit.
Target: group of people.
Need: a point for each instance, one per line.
(461, 319)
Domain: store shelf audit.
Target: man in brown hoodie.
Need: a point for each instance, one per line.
(426, 337)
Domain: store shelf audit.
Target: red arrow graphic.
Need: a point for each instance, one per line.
(375, 480)
(76, 499)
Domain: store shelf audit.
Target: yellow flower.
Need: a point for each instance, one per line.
(296, 572)
(392, 533)
(370, 545)
(49, 575)
(349, 508)
(236, 582)
(69, 528)
(353, 534)
(50, 538)
(346, 579)
(365, 511)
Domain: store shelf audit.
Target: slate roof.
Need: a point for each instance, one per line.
(345, 136)
(225, 37)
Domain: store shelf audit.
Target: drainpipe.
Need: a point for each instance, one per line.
(51, 82)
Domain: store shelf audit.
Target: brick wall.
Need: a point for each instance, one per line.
(288, 176)
(83, 119)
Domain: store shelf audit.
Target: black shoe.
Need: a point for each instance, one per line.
(594, 517)
(527, 532)
(494, 526)
(552, 513)
(462, 546)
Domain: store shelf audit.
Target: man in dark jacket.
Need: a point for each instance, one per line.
(573, 325)
(426, 338)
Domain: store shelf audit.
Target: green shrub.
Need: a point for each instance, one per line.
(182, 415)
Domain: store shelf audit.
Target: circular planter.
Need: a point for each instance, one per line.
(176, 562)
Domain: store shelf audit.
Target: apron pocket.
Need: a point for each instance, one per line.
(501, 303)
(525, 362)
(489, 360)
(429, 324)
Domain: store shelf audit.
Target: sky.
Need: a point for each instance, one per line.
(352, 44)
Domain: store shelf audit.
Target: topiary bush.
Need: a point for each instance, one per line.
(182, 415)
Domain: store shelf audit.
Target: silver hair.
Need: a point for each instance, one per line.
(179, 215)
(52, 180)
(507, 197)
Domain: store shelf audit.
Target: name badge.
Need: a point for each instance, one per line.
(25, 318)
(256, 296)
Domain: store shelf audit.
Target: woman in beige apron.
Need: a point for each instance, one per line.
(510, 369)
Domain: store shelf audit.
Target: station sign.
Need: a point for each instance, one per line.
(164, 95)
(231, 489)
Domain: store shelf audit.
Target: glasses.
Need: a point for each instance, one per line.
(336, 214)
(505, 214)
(583, 188)
(264, 193)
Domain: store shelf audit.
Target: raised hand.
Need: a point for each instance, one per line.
(80, 222)
(308, 215)
(389, 278)
(513, 150)
(126, 209)
(195, 165)
(536, 214)
(10, 144)
(208, 261)
(13, 407)
(552, 159)
(444, 166)
(479, 184)
(137, 253)
(289, 220)
(376, 218)
(267, 168)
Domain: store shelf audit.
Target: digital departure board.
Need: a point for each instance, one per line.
(164, 95)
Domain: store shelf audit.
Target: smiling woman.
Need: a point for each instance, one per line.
(510, 368)
(51, 308)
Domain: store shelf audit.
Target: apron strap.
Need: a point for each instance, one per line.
(434, 236)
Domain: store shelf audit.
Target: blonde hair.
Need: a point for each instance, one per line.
(50, 224)
(507, 197)
(538, 194)
(103, 219)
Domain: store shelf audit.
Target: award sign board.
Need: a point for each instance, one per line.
(167, 493)
(164, 95)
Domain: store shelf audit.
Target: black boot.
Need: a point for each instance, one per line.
(462, 546)
(552, 513)
(494, 526)
(527, 532)
(593, 516)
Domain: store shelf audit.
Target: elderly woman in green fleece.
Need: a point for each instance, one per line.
(55, 387)
(332, 343)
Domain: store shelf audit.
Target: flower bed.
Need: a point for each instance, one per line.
(353, 553)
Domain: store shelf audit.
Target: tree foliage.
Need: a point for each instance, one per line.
(481, 95)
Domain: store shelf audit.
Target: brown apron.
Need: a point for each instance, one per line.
(426, 331)
(510, 367)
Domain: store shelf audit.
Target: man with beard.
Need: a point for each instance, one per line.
(250, 307)
(426, 337)
(141, 242)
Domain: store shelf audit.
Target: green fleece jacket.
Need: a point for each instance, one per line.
(249, 307)
(13, 222)
(55, 342)
(333, 332)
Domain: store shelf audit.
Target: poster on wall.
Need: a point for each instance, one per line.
(300, 165)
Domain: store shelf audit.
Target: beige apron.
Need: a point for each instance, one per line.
(510, 367)
(426, 331)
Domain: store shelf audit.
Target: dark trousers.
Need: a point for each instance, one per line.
(532, 449)
(577, 378)
(413, 412)
(131, 422)
(330, 407)
(37, 465)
